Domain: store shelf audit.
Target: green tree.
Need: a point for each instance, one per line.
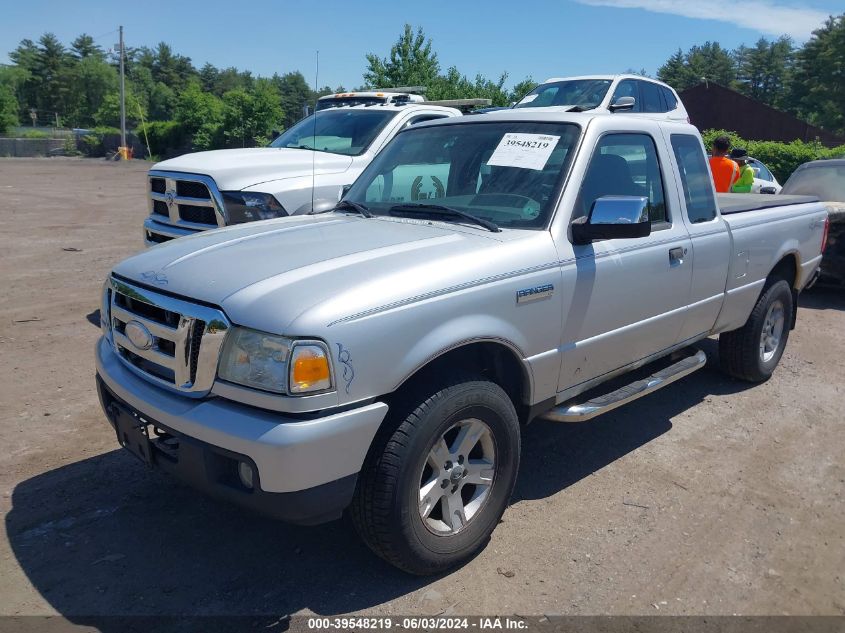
(208, 76)
(411, 63)
(25, 59)
(707, 62)
(250, 117)
(51, 72)
(294, 94)
(232, 79)
(108, 114)
(91, 79)
(8, 109)
(171, 69)
(764, 70)
(84, 46)
(454, 85)
(711, 62)
(675, 72)
(818, 88)
(521, 89)
(161, 102)
(200, 113)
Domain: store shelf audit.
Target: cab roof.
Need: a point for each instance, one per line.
(607, 77)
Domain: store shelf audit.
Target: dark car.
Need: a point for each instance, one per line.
(826, 180)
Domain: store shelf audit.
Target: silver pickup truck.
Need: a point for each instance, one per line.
(381, 357)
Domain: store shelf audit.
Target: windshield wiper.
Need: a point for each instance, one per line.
(347, 205)
(439, 209)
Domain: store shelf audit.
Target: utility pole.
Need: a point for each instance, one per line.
(122, 95)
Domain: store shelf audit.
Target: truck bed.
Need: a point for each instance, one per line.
(741, 202)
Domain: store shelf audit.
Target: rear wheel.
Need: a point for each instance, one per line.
(753, 351)
(437, 481)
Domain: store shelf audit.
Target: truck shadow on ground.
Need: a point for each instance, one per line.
(106, 536)
(564, 453)
(823, 298)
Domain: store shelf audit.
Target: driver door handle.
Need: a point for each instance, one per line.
(676, 256)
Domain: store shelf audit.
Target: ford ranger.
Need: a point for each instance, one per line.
(381, 357)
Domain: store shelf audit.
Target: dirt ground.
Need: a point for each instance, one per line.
(709, 497)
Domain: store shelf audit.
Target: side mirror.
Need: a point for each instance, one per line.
(613, 217)
(769, 190)
(622, 103)
(344, 190)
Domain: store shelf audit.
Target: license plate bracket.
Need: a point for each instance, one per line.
(132, 434)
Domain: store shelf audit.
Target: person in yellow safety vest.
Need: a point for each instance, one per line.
(746, 173)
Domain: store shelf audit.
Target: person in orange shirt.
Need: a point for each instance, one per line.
(725, 171)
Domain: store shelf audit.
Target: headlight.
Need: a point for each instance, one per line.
(274, 363)
(249, 206)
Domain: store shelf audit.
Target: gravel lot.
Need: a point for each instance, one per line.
(709, 497)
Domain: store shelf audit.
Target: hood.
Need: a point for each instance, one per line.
(267, 274)
(236, 169)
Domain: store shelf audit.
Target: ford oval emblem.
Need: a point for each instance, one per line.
(138, 335)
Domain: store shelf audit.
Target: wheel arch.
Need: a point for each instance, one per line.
(496, 359)
(788, 268)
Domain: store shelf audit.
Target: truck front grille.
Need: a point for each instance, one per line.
(169, 341)
(198, 215)
(190, 189)
(186, 199)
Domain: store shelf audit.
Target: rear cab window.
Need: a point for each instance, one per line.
(695, 178)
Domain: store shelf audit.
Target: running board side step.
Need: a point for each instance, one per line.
(608, 402)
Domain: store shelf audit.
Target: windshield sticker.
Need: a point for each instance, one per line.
(528, 151)
(528, 98)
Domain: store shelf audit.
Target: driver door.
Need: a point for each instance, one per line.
(626, 298)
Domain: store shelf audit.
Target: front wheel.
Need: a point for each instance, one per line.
(437, 481)
(753, 351)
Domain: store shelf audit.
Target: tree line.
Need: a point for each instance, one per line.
(807, 81)
(78, 86)
(182, 107)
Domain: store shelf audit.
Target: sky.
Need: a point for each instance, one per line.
(524, 38)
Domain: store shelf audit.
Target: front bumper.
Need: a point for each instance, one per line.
(158, 232)
(304, 470)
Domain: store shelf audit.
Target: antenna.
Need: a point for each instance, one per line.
(314, 137)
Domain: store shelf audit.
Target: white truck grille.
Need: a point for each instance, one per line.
(189, 200)
(169, 341)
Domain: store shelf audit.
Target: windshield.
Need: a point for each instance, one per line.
(825, 181)
(585, 93)
(336, 102)
(506, 173)
(347, 132)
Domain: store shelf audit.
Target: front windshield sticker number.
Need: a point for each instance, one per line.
(527, 151)
(529, 98)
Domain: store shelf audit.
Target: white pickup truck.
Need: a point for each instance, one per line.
(303, 166)
(382, 356)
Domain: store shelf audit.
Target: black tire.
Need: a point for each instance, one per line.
(385, 509)
(740, 353)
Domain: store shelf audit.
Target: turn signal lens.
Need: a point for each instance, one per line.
(309, 369)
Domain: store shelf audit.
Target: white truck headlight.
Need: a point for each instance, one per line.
(274, 363)
(249, 206)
